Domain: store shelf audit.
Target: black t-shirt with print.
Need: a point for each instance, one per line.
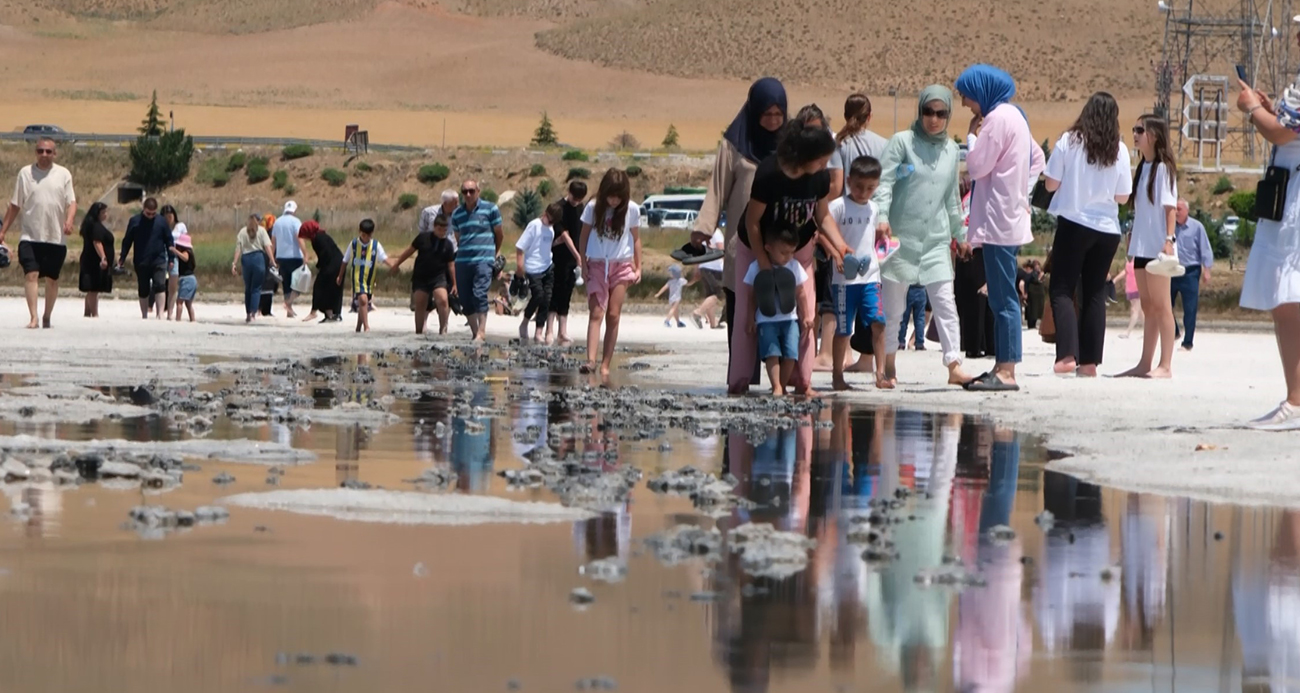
(432, 256)
(791, 199)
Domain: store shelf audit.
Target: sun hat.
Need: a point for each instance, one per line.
(185, 241)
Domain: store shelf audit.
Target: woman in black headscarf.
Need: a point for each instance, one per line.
(96, 257)
(750, 138)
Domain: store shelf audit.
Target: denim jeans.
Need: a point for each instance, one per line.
(254, 265)
(1189, 285)
(916, 309)
(1004, 300)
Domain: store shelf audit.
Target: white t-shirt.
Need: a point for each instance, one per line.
(1150, 226)
(800, 276)
(43, 198)
(180, 230)
(380, 255)
(1087, 192)
(536, 245)
(718, 242)
(609, 249)
(675, 289)
(858, 227)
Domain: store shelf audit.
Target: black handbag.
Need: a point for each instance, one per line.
(1041, 198)
(1270, 192)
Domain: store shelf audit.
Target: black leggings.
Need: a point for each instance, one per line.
(539, 296)
(973, 312)
(1081, 259)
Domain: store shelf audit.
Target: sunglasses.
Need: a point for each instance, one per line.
(469, 191)
(931, 113)
(1139, 130)
(44, 151)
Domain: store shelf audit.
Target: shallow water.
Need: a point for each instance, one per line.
(1124, 592)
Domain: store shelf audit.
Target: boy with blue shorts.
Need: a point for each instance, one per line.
(855, 283)
(778, 294)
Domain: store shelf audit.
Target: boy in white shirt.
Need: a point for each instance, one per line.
(856, 281)
(534, 260)
(778, 332)
(674, 287)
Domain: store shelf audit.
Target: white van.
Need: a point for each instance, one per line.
(672, 211)
(691, 202)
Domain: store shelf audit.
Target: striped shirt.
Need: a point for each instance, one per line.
(475, 240)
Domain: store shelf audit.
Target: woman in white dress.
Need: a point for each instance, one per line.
(1272, 279)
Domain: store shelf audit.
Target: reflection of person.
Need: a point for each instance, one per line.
(607, 535)
(1144, 552)
(472, 443)
(1266, 609)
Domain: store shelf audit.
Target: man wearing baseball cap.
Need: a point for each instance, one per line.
(290, 250)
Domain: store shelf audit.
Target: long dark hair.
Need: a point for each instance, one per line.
(1164, 154)
(615, 183)
(857, 111)
(91, 219)
(1097, 129)
(168, 209)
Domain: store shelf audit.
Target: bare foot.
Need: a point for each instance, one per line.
(1065, 367)
(310, 316)
(839, 385)
(1088, 371)
(1137, 371)
(33, 325)
(883, 383)
(956, 376)
(45, 322)
(1161, 373)
(808, 392)
(587, 367)
(778, 392)
(821, 365)
(563, 341)
(860, 366)
(604, 370)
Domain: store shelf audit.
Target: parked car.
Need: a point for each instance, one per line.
(676, 218)
(1230, 225)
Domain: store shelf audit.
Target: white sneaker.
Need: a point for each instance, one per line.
(1166, 266)
(1284, 418)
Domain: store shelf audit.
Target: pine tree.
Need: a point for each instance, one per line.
(670, 140)
(152, 125)
(545, 135)
(528, 206)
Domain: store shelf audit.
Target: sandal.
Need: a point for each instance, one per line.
(783, 278)
(989, 382)
(765, 294)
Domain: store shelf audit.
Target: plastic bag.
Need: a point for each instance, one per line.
(301, 280)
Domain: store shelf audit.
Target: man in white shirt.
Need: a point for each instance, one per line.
(290, 250)
(43, 194)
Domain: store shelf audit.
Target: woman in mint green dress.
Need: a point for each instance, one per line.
(920, 205)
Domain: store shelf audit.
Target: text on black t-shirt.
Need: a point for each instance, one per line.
(788, 199)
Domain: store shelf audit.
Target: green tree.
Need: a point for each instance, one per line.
(157, 162)
(528, 206)
(671, 139)
(152, 125)
(545, 135)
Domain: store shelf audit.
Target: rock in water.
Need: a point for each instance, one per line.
(582, 596)
(766, 552)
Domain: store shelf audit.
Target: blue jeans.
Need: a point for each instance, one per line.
(1000, 495)
(916, 309)
(1189, 285)
(779, 339)
(1004, 300)
(254, 265)
(473, 282)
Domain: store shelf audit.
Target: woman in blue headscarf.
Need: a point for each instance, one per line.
(1003, 162)
(749, 139)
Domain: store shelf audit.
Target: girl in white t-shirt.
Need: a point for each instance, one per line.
(1155, 203)
(1089, 172)
(610, 250)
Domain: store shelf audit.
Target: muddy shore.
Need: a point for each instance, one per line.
(1179, 437)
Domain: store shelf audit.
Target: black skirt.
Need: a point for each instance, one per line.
(94, 279)
(326, 294)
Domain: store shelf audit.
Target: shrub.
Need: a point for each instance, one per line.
(545, 187)
(536, 171)
(633, 171)
(672, 138)
(1246, 234)
(280, 179)
(236, 161)
(334, 177)
(296, 151)
(432, 173)
(290, 189)
(1223, 185)
(578, 172)
(1243, 204)
(257, 170)
(528, 206)
(575, 155)
(490, 195)
(159, 161)
(407, 200)
(220, 178)
(625, 142)
(363, 167)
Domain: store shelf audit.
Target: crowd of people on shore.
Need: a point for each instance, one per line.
(837, 235)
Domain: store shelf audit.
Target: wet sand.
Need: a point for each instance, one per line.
(1129, 434)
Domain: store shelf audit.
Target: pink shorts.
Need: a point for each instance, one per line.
(601, 279)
